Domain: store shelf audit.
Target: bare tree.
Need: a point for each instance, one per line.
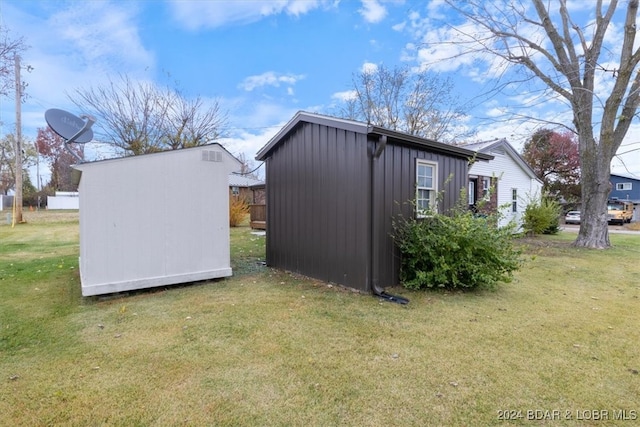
(140, 117)
(9, 48)
(419, 103)
(247, 166)
(567, 58)
(189, 123)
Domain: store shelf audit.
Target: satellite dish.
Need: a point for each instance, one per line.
(69, 126)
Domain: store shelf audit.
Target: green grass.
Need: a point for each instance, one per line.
(271, 348)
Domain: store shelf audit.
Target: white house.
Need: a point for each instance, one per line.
(155, 219)
(515, 182)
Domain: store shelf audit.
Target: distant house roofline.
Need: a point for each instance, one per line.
(363, 128)
(488, 146)
(626, 176)
(240, 180)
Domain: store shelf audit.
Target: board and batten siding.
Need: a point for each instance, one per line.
(318, 203)
(510, 175)
(394, 190)
(155, 220)
(330, 218)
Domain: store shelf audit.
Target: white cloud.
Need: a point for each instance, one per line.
(269, 78)
(369, 67)
(346, 95)
(399, 27)
(628, 158)
(212, 14)
(249, 131)
(99, 34)
(372, 11)
(70, 48)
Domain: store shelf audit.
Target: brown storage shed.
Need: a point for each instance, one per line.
(333, 187)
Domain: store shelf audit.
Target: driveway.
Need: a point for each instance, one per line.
(613, 229)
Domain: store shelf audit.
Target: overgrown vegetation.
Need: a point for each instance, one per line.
(238, 210)
(542, 216)
(459, 250)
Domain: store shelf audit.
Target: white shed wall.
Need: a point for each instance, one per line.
(154, 220)
(510, 175)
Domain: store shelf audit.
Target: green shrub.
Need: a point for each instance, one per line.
(456, 251)
(541, 216)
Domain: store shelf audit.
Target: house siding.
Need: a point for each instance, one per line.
(509, 175)
(633, 194)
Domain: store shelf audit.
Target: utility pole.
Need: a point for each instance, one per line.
(17, 201)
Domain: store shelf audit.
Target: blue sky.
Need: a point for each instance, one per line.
(261, 60)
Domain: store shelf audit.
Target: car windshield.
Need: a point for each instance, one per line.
(614, 207)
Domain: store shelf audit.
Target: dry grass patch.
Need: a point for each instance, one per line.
(635, 226)
(270, 348)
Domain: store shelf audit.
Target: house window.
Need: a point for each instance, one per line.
(472, 192)
(514, 200)
(623, 186)
(486, 184)
(426, 187)
(235, 190)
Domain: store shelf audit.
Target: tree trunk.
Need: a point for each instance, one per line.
(594, 231)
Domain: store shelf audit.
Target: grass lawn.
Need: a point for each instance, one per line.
(269, 348)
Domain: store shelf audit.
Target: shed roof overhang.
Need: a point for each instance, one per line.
(427, 144)
(394, 137)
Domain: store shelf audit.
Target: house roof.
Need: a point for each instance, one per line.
(626, 176)
(488, 147)
(360, 127)
(238, 180)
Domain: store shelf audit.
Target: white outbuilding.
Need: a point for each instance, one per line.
(155, 219)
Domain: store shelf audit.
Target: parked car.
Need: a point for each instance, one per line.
(619, 211)
(572, 217)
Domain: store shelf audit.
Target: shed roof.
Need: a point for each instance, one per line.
(138, 157)
(487, 147)
(80, 167)
(360, 127)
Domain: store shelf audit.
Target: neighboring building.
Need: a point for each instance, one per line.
(6, 202)
(64, 200)
(334, 188)
(154, 220)
(513, 181)
(626, 187)
(246, 188)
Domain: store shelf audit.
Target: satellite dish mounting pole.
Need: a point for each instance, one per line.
(90, 121)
